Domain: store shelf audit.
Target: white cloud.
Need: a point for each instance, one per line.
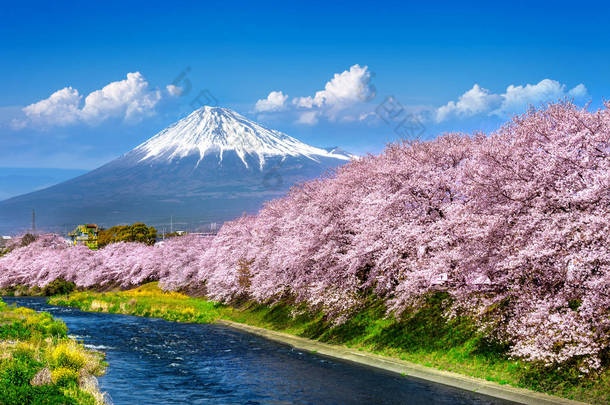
(367, 115)
(338, 101)
(342, 91)
(579, 91)
(275, 101)
(173, 90)
(308, 118)
(61, 108)
(515, 100)
(128, 99)
(518, 98)
(304, 102)
(474, 101)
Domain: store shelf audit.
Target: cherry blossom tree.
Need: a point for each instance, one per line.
(514, 226)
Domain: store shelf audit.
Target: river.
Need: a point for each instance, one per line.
(153, 361)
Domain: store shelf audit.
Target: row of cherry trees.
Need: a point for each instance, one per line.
(515, 226)
(124, 264)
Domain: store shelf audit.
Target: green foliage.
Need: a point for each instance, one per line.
(15, 387)
(574, 304)
(22, 325)
(128, 233)
(424, 329)
(175, 234)
(58, 286)
(20, 291)
(67, 356)
(16, 329)
(147, 300)
(64, 376)
(30, 343)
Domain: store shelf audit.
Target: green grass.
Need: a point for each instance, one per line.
(39, 364)
(425, 337)
(147, 300)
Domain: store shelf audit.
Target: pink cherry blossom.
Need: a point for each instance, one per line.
(518, 219)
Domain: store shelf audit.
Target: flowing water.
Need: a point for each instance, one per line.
(152, 361)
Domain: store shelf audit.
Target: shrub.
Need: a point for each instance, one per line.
(68, 355)
(58, 286)
(64, 376)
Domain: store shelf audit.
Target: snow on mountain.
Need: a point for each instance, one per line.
(210, 166)
(335, 150)
(215, 130)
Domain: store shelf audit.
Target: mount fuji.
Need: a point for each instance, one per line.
(210, 166)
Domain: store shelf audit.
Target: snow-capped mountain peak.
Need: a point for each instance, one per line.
(215, 130)
(211, 166)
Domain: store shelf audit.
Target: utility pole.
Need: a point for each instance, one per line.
(33, 221)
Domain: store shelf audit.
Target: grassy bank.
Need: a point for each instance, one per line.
(55, 287)
(39, 364)
(424, 337)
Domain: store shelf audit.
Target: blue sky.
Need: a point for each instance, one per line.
(451, 67)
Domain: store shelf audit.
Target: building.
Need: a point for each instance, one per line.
(86, 235)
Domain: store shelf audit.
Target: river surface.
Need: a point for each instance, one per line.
(152, 361)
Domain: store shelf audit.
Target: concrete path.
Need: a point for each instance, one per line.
(467, 383)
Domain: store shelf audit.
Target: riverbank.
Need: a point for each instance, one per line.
(40, 364)
(425, 338)
(506, 392)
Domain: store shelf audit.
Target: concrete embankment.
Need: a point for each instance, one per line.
(492, 389)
